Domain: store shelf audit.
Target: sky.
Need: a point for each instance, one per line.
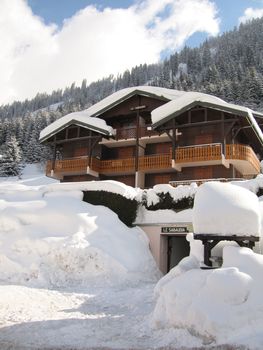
(47, 44)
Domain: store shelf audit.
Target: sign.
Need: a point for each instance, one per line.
(175, 229)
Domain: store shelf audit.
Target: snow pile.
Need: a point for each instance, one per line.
(253, 185)
(54, 239)
(145, 216)
(178, 192)
(225, 209)
(32, 175)
(223, 304)
(106, 185)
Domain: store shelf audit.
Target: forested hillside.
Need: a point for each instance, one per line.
(229, 66)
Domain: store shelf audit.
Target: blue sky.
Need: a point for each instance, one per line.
(49, 44)
(56, 11)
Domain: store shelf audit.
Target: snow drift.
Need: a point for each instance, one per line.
(52, 238)
(223, 304)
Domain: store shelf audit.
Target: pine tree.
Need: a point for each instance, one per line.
(11, 158)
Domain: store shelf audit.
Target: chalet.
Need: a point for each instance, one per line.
(147, 135)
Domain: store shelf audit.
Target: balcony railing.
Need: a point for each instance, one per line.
(198, 153)
(117, 165)
(158, 161)
(184, 155)
(130, 132)
(243, 152)
(73, 165)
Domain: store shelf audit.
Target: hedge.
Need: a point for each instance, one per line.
(167, 202)
(125, 208)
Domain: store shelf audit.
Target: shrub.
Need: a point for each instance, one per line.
(125, 208)
(167, 202)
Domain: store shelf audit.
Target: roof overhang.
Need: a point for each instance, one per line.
(125, 98)
(53, 129)
(193, 104)
(224, 107)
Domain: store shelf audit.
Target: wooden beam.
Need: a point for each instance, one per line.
(90, 150)
(173, 140)
(190, 125)
(223, 133)
(54, 156)
(205, 114)
(76, 139)
(189, 116)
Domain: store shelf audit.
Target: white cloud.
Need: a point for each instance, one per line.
(251, 13)
(93, 43)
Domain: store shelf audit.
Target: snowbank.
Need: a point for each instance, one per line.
(145, 216)
(52, 238)
(223, 304)
(253, 185)
(106, 185)
(32, 175)
(224, 209)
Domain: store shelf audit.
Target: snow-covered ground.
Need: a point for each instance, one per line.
(72, 276)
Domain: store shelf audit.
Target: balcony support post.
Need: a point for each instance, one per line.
(54, 155)
(174, 140)
(137, 109)
(139, 179)
(137, 141)
(91, 147)
(90, 150)
(223, 133)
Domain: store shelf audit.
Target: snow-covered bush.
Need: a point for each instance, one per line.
(166, 201)
(168, 197)
(125, 208)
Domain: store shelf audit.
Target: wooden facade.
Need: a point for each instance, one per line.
(201, 143)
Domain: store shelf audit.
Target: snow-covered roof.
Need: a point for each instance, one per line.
(190, 99)
(77, 118)
(124, 94)
(177, 103)
(84, 119)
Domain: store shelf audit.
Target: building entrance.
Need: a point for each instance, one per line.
(178, 248)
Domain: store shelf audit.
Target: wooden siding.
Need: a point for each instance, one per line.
(129, 132)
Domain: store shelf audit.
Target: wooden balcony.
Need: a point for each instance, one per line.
(117, 166)
(199, 154)
(242, 157)
(155, 162)
(73, 166)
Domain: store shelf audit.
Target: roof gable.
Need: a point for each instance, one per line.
(79, 119)
(122, 95)
(189, 100)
